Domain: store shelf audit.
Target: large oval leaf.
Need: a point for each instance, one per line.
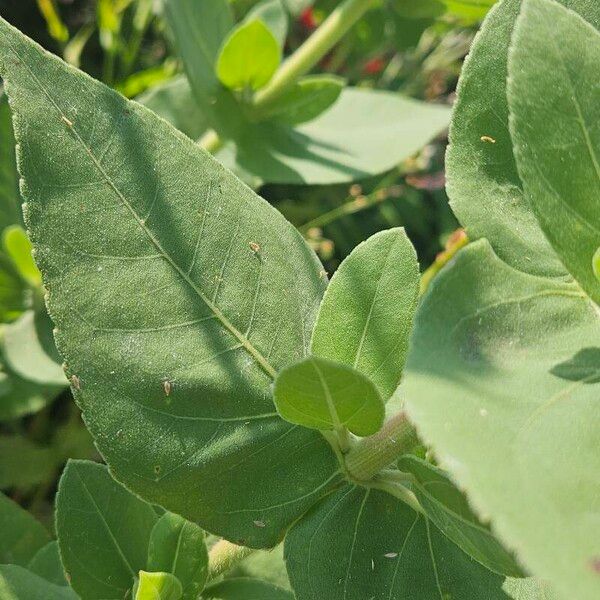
(359, 544)
(177, 294)
(482, 387)
(554, 64)
(483, 183)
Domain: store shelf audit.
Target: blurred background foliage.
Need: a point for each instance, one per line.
(405, 46)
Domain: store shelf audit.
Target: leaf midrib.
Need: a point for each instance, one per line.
(258, 357)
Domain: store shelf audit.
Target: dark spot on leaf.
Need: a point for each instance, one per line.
(157, 469)
(584, 367)
(595, 564)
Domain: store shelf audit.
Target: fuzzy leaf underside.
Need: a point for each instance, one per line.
(522, 441)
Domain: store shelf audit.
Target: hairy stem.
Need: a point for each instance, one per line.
(373, 454)
(224, 555)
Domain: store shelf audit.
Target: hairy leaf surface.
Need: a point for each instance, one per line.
(103, 531)
(522, 441)
(483, 183)
(359, 544)
(177, 546)
(448, 509)
(322, 394)
(177, 294)
(553, 95)
(366, 315)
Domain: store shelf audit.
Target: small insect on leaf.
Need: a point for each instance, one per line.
(67, 121)
(254, 247)
(260, 524)
(167, 387)
(75, 382)
(487, 139)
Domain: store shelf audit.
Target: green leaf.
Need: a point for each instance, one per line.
(364, 133)
(18, 247)
(448, 509)
(14, 295)
(249, 57)
(19, 397)
(559, 166)
(267, 565)
(199, 30)
(366, 315)
(359, 544)
(22, 536)
(307, 99)
(521, 441)
(29, 349)
(116, 525)
(17, 583)
(158, 586)
(10, 201)
(24, 464)
(273, 15)
(179, 288)
(528, 589)
(174, 101)
(177, 546)
(243, 588)
(596, 264)
(323, 394)
(483, 183)
(471, 10)
(46, 563)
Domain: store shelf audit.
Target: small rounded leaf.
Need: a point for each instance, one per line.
(322, 394)
(249, 57)
(158, 586)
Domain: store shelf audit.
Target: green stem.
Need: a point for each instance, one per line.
(224, 555)
(330, 32)
(373, 454)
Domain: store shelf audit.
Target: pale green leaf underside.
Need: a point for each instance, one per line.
(249, 57)
(363, 134)
(245, 588)
(177, 546)
(483, 183)
(22, 536)
(359, 544)
(325, 395)
(158, 586)
(103, 532)
(29, 350)
(449, 510)
(177, 294)
(553, 96)
(522, 441)
(366, 315)
(17, 583)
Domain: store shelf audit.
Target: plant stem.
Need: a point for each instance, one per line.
(329, 33)
(224, 555)
(314, 49)
(372, 454)
(455, 242)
